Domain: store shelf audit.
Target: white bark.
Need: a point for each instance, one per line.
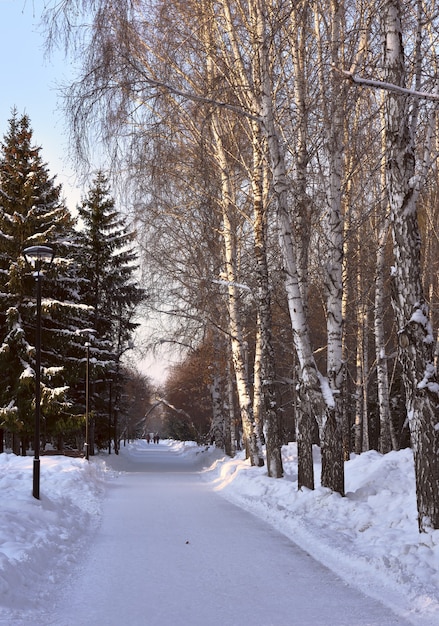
(386, 441)
(271, 420)
(247, 91)
(416, 340)
(313, 403)
(358, 419)
(251, 435)
(217, 415)
(388, 436)
(257, 383)
(331, 95)
(234, 441)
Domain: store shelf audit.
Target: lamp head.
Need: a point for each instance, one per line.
(37, 255)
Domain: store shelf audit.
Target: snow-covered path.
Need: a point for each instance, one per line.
(172, 552)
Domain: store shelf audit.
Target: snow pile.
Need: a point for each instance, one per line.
(41, 539)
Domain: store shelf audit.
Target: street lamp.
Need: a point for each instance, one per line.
(36, 257)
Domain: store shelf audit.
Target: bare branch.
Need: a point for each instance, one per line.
(205, 100)
(379, 84)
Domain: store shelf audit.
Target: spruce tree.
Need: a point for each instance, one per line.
(109, 265)
(33, 212)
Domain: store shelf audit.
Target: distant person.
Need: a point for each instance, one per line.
(148, 438)
(156, 438)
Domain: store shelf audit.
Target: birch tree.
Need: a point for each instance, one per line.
(139, 75)
(332, 99)
(237, 341)
(146, 69)
(388, 439)
(411, 309)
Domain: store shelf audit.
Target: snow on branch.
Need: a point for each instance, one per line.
(379, 84)
(231, 283)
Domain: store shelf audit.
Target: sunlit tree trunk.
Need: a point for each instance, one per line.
(239, 357)
(358, 419)
(365, 380)
(271, 421)
(232, 440)
(257, 383)
(265, 394)
(312, 401)
(331, 96)
(388, 437)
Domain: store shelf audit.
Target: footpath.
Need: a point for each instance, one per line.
(172, 552)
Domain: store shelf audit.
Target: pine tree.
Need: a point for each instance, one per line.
(32, 212)
(108, 261)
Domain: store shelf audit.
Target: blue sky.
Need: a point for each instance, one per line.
(29, 81)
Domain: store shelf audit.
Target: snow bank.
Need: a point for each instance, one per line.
(369, 538)
(40, 539)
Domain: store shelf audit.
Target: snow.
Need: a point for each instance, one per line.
(430, 372)
(369, 538)
(327, 392)
(418, 317)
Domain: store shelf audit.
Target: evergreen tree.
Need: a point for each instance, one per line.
(108, 261)
(33, 212)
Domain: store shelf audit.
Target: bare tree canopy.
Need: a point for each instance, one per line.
(249, 161)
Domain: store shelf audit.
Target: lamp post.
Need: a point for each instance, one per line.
(110, 380)
(36, 256)
(89, 333)
(118, 355)
(87, 390)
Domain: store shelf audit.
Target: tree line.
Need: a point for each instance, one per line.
(89, 299)
(264, 181)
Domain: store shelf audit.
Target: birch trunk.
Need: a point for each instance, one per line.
(251, 437)
(362, 366)
(331, 92)
(303, 204)
(255, 93)
(388, 436)
(238, 345)
(380, 348)
(271, 419)
(312, 401)
(257, 383)
(411, 310)
(235, 441)
(218, 422)
(263, 300)
(358, 420)
(365, 381)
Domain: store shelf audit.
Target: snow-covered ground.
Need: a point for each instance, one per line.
(369, 538)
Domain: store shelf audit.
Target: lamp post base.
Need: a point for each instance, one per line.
(36, 484)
